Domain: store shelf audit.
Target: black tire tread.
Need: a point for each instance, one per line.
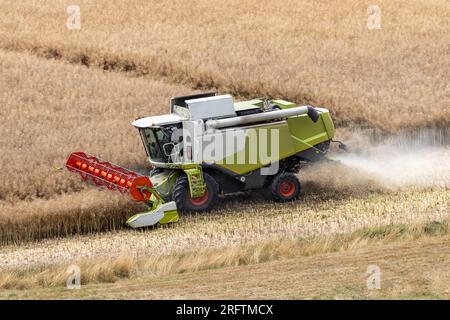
(182, 184)
(273, 188)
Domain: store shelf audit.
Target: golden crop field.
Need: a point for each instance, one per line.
(309, 52)
(63, 90)
(53, 109)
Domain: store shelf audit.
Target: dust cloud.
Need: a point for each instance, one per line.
(372, 163)
(402, 161)
(425, 167)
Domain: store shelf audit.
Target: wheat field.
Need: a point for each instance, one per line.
(63, 90)
(51, 112)
(309, 52)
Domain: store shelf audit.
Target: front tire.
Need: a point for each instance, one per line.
(187, 204)
(285, 187)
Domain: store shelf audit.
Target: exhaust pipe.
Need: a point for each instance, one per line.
(269, 115)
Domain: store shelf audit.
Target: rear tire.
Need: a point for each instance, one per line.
(186, 204)
(285, 187)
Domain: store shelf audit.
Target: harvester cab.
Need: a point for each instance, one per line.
(209, 145)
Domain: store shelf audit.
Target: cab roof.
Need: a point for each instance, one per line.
(156, 121)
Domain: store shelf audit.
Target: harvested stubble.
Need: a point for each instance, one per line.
(319, 213)
(111, 269)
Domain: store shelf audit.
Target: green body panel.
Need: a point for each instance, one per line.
(196, 181)
(283, 104)
(329, 125)
(296, 134)
(157, 212)
(253, 162)
(173, 166)
(170, 216)
(164, 181)
(249, 104)
(305, 133)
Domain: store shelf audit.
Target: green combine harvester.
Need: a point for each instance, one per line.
(210, 145)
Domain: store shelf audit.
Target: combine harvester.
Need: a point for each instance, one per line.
(208, 145)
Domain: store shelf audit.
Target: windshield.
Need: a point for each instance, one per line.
(154, 139)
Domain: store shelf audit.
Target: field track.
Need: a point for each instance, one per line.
(422, 274)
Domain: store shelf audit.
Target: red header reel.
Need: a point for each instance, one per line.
(106, 174)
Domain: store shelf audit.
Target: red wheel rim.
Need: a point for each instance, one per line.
(287, 188)
(200, 200)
